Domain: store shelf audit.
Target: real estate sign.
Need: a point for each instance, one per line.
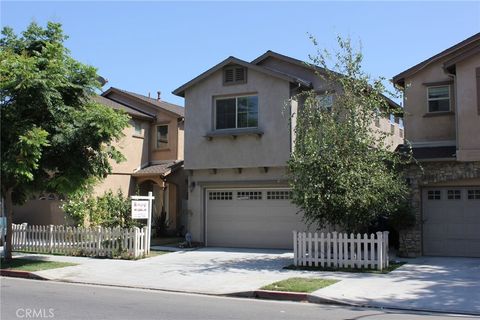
(140, 209)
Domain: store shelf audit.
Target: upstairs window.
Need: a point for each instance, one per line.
(137, 125)
(325, 101)
(162, 136)
(438, 99)
(236, 112)
(234, 75)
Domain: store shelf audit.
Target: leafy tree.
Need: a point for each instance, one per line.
(341, 170)
(54, 137)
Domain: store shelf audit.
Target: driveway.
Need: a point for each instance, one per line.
(207, 270)
(440, 284)
(426, 283)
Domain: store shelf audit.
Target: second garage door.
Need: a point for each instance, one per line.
(451, 221)
(251, 218)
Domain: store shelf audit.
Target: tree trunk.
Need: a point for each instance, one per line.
(9, 209)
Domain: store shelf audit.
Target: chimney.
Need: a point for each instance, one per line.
(158, 95)
(149, 94)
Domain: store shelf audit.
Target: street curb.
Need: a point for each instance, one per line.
(281, 295)
(20, 274)
(259, 294)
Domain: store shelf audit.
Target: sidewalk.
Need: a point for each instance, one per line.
(431, 284)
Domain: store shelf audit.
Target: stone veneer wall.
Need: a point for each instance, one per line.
(430, 173)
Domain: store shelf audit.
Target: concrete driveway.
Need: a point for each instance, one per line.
(426, 283)
(440, 284)
(207, 270)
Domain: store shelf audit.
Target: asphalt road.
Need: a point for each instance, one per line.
(34, 299)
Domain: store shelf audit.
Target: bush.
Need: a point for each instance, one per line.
(109, 210)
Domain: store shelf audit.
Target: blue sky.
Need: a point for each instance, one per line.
(150, 46)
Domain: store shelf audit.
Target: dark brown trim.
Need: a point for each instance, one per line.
(438, 114)
(399, 79)
(462, 56)
(438, 83)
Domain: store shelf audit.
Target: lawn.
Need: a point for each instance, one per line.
(32, 265)
(300, 284)
(392, 266)
(154, 253)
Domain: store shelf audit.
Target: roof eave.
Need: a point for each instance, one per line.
(116, 90)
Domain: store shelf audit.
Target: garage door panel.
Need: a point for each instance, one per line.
(259, 223)
(451, 222)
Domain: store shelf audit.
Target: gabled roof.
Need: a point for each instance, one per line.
(396, 108)
(272, 54)
(118, 106)
(470, 44)
(180, 91)
(166, 106)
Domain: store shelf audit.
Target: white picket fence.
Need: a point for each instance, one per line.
(339, 250)
(96, 241)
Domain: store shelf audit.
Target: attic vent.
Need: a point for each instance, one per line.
(234, 75)
(239, 74)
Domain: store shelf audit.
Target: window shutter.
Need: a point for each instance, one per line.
(478, 89)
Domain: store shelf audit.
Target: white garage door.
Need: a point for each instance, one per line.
(451, 221)
(251, 218)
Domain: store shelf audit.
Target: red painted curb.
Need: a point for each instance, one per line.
(20, 274)
(281, 295)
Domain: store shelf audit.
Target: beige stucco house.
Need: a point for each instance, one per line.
(238, 138)
(442, 123)
(153, 147)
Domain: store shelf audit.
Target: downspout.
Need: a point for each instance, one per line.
(453, 76)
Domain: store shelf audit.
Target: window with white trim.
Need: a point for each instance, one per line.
(249, 195)
(279, 195)
(162, 136)
(473, 194)
(454, 194)
(220, 195)
(438, 98)
(137, 125)
(434, 195)
(236, 112)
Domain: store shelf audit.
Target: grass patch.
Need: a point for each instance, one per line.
(32, 265)
(170, 241)
(154, 253)
(392, 266)
(300, 284)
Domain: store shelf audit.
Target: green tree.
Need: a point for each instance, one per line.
(342, 172)
(54, 137)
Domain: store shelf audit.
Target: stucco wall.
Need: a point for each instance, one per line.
(114, 182)
(467, 112)
(40, 212)
(134, 147)
(419, 125)
(171, 151)
(320, 85)
(272, 149)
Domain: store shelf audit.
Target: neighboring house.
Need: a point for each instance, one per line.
(442, 123)
(238, 139)
(153, 147)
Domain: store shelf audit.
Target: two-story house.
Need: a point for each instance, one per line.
(442, 123)
(238, 139)
(153, 147)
